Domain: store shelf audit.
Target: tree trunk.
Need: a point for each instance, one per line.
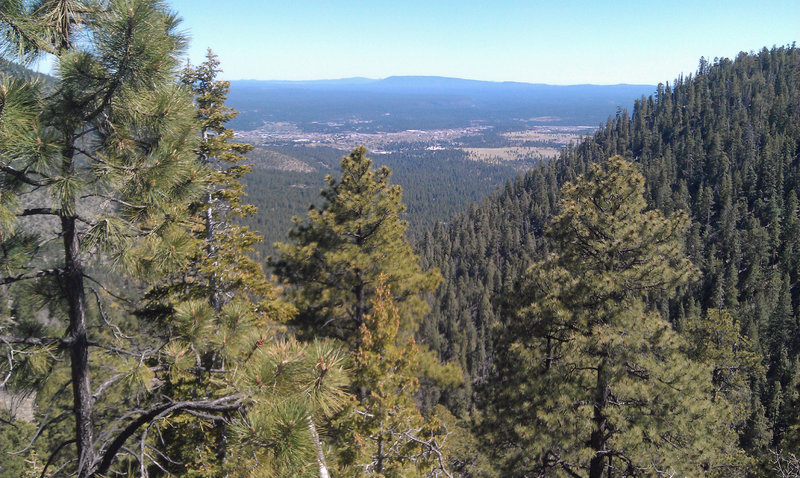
(598, 463)
(72, 281)
(379, 459)
(215, 300)
(361, 307)
(323, 466)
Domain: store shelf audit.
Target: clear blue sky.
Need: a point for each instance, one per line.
(549, 41)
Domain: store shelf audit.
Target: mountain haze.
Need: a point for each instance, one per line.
(426, 102)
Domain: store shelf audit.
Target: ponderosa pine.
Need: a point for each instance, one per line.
(223, 315)
(338, 253)
(352, 274)
(589, 380)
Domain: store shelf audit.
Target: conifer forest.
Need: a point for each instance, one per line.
(627, 308)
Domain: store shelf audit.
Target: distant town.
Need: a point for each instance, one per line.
(535, 142)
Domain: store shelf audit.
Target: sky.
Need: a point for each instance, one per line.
(547, 41)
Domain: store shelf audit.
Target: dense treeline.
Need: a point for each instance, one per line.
(723, 145)
(18, 71)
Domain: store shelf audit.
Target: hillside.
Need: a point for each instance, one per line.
(19, 71)
(722, 145)
(436, 184)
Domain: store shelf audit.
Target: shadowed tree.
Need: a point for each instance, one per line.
(588, 380)
(381, 432)
(101, 170)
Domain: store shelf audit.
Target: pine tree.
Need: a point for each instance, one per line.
(347, 255)
(338, 254)
(716, 340)
(220, 305)
(102, 163)
(382, 433)
(223, 313)
(590, 381)
(230, 271)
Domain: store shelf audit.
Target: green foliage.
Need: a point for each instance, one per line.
(220, 312)
(293, 386)
(97, 170)
(600, 383)
(341, 250)
(382, 433)
(436, 184)
(720, 145)
(716, 340)
(14, 437)
(354, 277)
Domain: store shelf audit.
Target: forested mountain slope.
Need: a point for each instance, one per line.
(435, 185)
(723, 145)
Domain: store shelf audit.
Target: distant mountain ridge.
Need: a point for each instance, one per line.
(19, 71)
(420, 82)
(425, 102)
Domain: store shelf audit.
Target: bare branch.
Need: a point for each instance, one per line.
(107, 384)
(38, 341)
(30, 275)
(40, 211)
(118, 297)
(432, 447)
(225, 404)
(53, 455)
(22, 176)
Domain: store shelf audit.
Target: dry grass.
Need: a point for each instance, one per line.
(518, 153)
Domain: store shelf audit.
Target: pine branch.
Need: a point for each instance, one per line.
(20, 31)
(30, 275)
(122, 69)
(102, 161)
(22, 176)
(40, 211)
(53, 456)
(107, 384)
(226, 404)
(115, 200)
(118, 297)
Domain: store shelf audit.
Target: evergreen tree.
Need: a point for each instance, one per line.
(382, 433)
(338, 254)
(720, 145)
(716, 340)
(102, 164)
(220, 305)
(590, 380)
(342, 258)
(229, 270)
(222, 313)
